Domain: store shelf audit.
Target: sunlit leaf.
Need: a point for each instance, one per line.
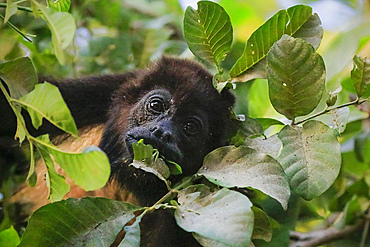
(62, 27)
(310, 158)
(47, 102)
(78, 222)
(60, 5)
(221, 218)
(296, 75)
(360, 75)
(208, 31)
(311, 31)
(9, 237)
(90, 170)
(283, 22)
(260, 42)
(243, 167)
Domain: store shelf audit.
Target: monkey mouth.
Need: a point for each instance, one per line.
(169, 151)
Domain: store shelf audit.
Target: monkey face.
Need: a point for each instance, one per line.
(172, 106)
(177, 131)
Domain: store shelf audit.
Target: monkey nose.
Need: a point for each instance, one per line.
(162, 134)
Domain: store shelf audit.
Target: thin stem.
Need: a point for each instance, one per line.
(365, 231)
(170, 194)
(16, 29)
(356, 102)
(27, 9)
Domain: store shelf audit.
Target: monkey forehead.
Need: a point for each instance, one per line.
(172, 74)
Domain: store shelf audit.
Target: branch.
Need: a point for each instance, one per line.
(27, 9)
(316, 238)
(356, 102)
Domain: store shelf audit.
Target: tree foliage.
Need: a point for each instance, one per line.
(303, 151)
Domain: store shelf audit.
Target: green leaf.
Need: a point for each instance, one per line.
(142, 152)
(56, 183)
(311, 31)
(19, 75)
(9, 238)
(157, 167)
(270, 145)
(296, 76)
(90, 170)
(243, 167)
(260, 42)
(262, 225)
(298, 16)
(47, 102)
(268, 122)
(11, 9)
(78, 222)
(208, 31)
(220, 218)
(283, 22)
(60, 5)
(62, 27)
(310, 157)
(360, 75)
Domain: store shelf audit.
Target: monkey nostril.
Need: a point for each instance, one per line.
(161, 134)
(167, 137)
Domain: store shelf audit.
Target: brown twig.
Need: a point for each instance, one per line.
(316, 238)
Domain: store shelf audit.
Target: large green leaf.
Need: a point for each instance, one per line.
(208, 31)
(19, 75)
(296, 76)
(298, 16)
(310, 158)
(78, 222)
(260, 42)
(220, 218)
(311, 31)
(283, 22)
(242, 167)
(270, 145)
(62, 27)
(90, 170)
(47, 102)
(360, 75)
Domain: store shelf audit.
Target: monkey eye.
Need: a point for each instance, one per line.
(156, 105)
(192, 126)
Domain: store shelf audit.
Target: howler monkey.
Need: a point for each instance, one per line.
(172, 105)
